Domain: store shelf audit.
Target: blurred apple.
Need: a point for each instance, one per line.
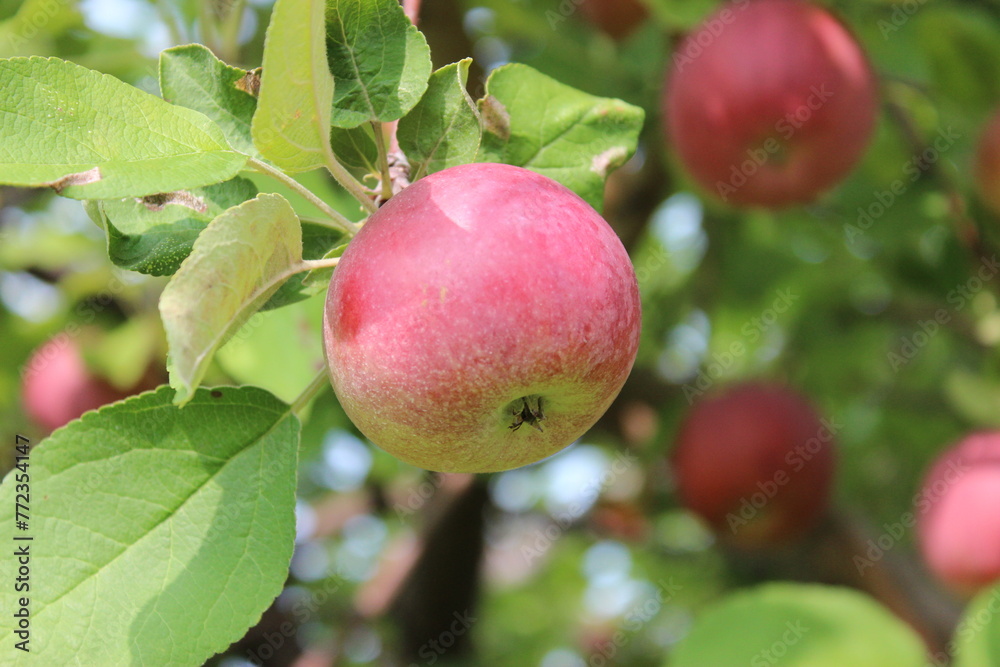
(958, 514)
(618, 18)
(756, 462)
(769, 103)
(987, 164)
(57, 386)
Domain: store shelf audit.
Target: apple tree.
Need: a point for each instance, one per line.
(492, 332)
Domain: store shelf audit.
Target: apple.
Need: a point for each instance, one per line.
(756, 462)
(986, 169)
(57, 386)
(958, 514)
(770, 102)
(618, 18)
(483, 319)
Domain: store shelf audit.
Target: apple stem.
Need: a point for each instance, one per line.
(348, 182)
(318, 384)
(383, 160)
(315, 264)
(280, 176)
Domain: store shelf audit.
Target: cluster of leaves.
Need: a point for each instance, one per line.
(170, 520)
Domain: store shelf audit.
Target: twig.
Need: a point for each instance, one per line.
(280, 176)
(383, 159)
(965, 228)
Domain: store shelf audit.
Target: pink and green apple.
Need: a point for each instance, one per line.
(958, 514)
(483, 319)
(57, 387)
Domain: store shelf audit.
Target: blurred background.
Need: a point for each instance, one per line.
(588, 558)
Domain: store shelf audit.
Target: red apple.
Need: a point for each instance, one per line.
(756, 462)
(987, 164)
(958, 514)
(770, 102)
(57, 387)
(618, 18)
(483, 319)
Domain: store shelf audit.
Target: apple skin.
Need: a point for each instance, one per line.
(747, 93)
(618, 18)
(760, 453)
(473, 288)
(57, 387)
(986, 168)
(958, 514)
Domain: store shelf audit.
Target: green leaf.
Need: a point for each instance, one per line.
(236, 264)
(355, 148)
(974, 396)
(977, 637)
(318, 242)
(193, 77)
(962, 51)
(160, 534)
(804, 626)
(379, 60)
(153, 235)
(90, 136)
(532, 121)
(443, 130)
(292, 124)
(10, 8)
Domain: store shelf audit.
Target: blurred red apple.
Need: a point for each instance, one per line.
(756, 462)
(958, 514)
(987, 164)
(618, 18)
(57, 387)
(483, 319)
(770, 102)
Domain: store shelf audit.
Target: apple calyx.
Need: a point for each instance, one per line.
(527, 410)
